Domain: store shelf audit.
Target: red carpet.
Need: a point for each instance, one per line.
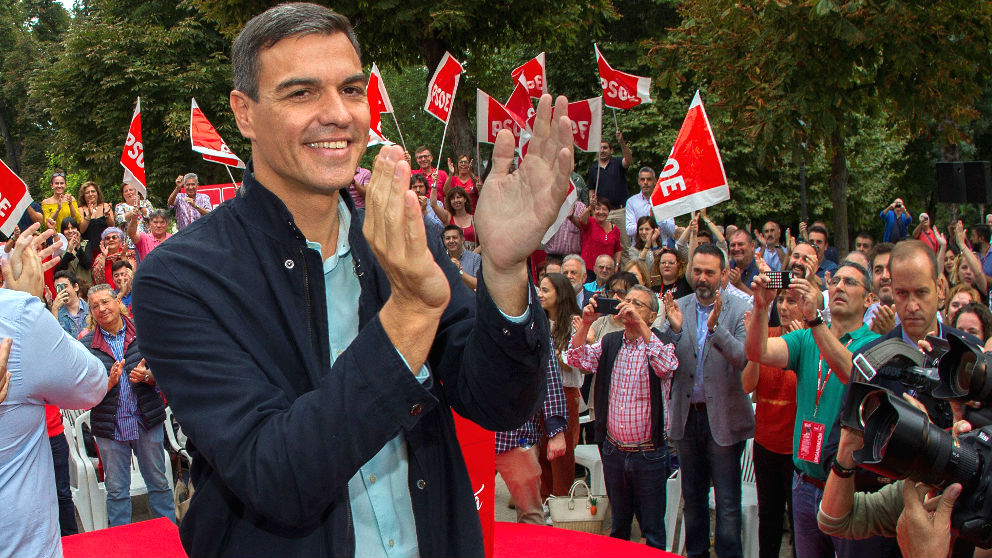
(156, 538)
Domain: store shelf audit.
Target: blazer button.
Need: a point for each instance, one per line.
(415, 410)
(421, 484)
(289, 264)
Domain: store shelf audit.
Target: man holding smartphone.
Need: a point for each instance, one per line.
(897, 221)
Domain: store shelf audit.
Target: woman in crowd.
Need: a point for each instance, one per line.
(974, 318)
(97, 215)
(112, 249)
(640, 270)
(77, 257)
(132, 201)
(646, 243)
(965, 275)
(60, 204)
(558, 300)
(458, 210)
(669, 266)
(463, 177)
(599, 236)
(959, 295)
(774, 419)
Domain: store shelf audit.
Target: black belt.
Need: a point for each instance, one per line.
(642, 446)
(810, 480)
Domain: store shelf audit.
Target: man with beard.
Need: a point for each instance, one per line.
(881, 315)
(742, 265)
(574, 267)
(821, 358)
(711, 416)
(466, 261)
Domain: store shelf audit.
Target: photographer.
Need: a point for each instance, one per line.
(897, 221)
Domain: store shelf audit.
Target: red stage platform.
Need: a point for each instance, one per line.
(159, 538)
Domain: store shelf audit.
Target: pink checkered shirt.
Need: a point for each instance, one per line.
(629, 418)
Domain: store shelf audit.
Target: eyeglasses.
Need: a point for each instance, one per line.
(637, 303)
(848, 281)
(615, 292)
(111, 237)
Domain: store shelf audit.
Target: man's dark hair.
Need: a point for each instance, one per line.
(625, 277)
(865, 276)
(414, 178)
(67, 221)
(66, 274)
(910, 249)
(711, 250)
(978, 309)
(275, 24)
(420, 148)
(736, 232)
(879, 250)
(982, 231)
(818, 229)
(119, 264)
(866, 234)
(453, 228)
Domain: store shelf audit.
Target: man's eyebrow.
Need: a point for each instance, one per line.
(296, 82)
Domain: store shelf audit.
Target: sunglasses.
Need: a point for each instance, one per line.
(112, 237)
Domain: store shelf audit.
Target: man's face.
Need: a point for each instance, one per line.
(63, 284)
(190, 186)
(424, 159)
(863, 244)
(847, 293)
(420, 188)
(552, 268)
(974, 238)
(122, 276)
(803, 254)
(740, 250)
(706, 276)
(605, 151)
(770, 232)
(604, 268)
(970, 323)
(641, 301)
(820, 241)
(105, 308)
(158, 226)
(453, 242)
(310, 124)
(881, 281)
(646, 181)
(915, 293)
(575, 273)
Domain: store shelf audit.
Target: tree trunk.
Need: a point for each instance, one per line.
(13, 158)
(838, 189)
(459, 138)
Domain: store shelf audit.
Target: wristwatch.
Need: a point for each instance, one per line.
(815, 321)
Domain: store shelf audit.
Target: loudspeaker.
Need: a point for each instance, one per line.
(978, 182)
(951, 182)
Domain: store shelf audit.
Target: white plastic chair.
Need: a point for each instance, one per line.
(175, 436)
(79, 481)
(588, 456)
(674, 521)
(97, 491)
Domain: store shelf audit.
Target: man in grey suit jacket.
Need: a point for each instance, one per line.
(711, 416)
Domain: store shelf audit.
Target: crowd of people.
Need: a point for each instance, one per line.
(311, 439)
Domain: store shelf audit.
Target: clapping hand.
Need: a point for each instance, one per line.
(25, 269)
(673, 312)
(115, 374)
(715, 313)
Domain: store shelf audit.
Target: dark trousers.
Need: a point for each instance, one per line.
(773, 477)
(636, 482)
(60, 457)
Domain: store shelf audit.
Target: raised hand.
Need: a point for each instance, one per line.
(451, 167)
(589, 313)
(763, 296)
(884, 320)
(715, 313)
(24, 270)
(115, 374)
(140, 373)
(673, 312)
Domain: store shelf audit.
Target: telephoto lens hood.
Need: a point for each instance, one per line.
(964, 372)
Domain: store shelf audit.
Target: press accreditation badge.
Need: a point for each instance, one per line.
(811, 441)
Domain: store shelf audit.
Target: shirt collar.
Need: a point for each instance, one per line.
(119, 333)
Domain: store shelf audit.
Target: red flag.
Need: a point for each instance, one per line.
(621, 90)
(491, 117)
(519, 104)
(133, 157)
(207, 142)
(378, 103)
(693, 177)
(563, 212)
(14, 199)
(442, 87)
(534, 75)
(587, 123)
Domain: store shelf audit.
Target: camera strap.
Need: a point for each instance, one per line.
(875, 360)
(821, 382)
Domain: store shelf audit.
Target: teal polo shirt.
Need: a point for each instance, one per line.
(804, 358)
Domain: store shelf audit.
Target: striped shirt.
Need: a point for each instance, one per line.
(629, 418)
(128, 425)
(554, 412)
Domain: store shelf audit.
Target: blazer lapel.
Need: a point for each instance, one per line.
(689, 324)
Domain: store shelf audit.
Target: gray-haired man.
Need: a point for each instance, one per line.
(189, 206)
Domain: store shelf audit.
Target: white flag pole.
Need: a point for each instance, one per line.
(233, 181)
(615, 125)
(393, 114)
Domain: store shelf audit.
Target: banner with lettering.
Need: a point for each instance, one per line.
(492, 116)
(133, 157)
(442, 87)
(621, 90)
(519, 104)
(587, 123)
(534, 75)
(693, 177)
(207, 141)
(14, 199)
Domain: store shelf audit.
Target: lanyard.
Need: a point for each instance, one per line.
(821, 382)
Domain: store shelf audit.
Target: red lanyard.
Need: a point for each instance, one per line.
(821, 382)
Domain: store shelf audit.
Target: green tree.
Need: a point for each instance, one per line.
(794, 72)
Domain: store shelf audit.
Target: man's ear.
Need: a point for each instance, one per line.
(241, 106)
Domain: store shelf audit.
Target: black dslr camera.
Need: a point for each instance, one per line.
(899, 440)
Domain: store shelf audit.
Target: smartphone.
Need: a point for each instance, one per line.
(606, 305)
(60, 287)
(778, 279)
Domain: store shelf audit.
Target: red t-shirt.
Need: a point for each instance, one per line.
(597, 242)
(775, 411)
(442, 177)
(469, 186)
(53, 420)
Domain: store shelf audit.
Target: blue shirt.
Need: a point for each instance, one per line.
(702, 331)
(770, 256)
(128, 425)
(73, 323)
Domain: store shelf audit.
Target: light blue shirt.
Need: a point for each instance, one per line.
(702, 314)
(770, 256)
(46, 365)
(640, 206)
(127, 427)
